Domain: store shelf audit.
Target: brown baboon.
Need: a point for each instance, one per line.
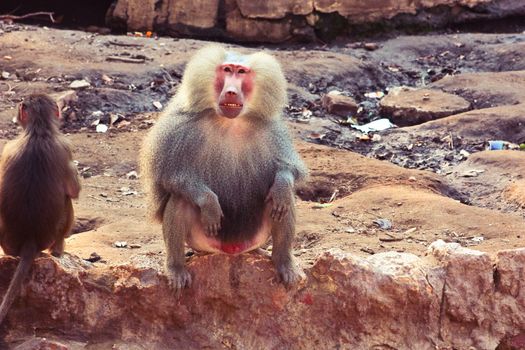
(37, 181)
(219, 164)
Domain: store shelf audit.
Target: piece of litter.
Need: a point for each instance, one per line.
(496, 145)
(464, 153)
(101, 128)
(477, 239)
(114, 117)
(384, 224)
(157, 105)
(376, 125)
(306, 113)
(97, 114)
(375, 94)
(321, 205)
(471, 173)
(129, 193)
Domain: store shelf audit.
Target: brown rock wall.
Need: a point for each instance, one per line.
(274, 9)
(455, 297)
(366, 11)
(278, 21)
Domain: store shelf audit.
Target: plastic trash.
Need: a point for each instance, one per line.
(496, 145)
(376, 125)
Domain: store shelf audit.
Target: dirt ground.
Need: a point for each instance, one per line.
(414, 179)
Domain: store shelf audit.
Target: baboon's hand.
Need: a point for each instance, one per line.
(178, 278)
(211, 214)
(281, 196)
(290, 274)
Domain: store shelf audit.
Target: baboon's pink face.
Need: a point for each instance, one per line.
(233, 88)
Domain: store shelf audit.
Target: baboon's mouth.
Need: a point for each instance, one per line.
(230, 109)
(231, 105)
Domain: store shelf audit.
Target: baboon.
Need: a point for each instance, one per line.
(219, 164)
(37, 181)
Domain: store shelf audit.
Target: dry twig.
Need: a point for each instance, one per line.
(28, 15)
(125, 59)
(120, 43)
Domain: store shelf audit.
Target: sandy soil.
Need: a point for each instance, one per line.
(485, 211)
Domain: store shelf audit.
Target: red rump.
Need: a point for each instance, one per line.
(233, 248)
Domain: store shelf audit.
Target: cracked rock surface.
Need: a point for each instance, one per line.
(453, 297)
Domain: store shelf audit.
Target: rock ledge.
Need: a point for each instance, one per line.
(452, 298)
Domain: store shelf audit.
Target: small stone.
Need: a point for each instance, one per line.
(66, 98)
(86, 174)
(107, 80)
(368, 250)
(120, 244)
(132, 175)
(336, 103)
(79, 84)
(5, 75)
(371, 46)
(390, 238)
(94, 257)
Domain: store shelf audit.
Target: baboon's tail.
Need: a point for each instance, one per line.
(27, 255)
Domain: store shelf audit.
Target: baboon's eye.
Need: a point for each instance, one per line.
(241, 71)
(227, 69)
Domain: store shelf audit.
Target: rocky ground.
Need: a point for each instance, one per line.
(368, 193)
